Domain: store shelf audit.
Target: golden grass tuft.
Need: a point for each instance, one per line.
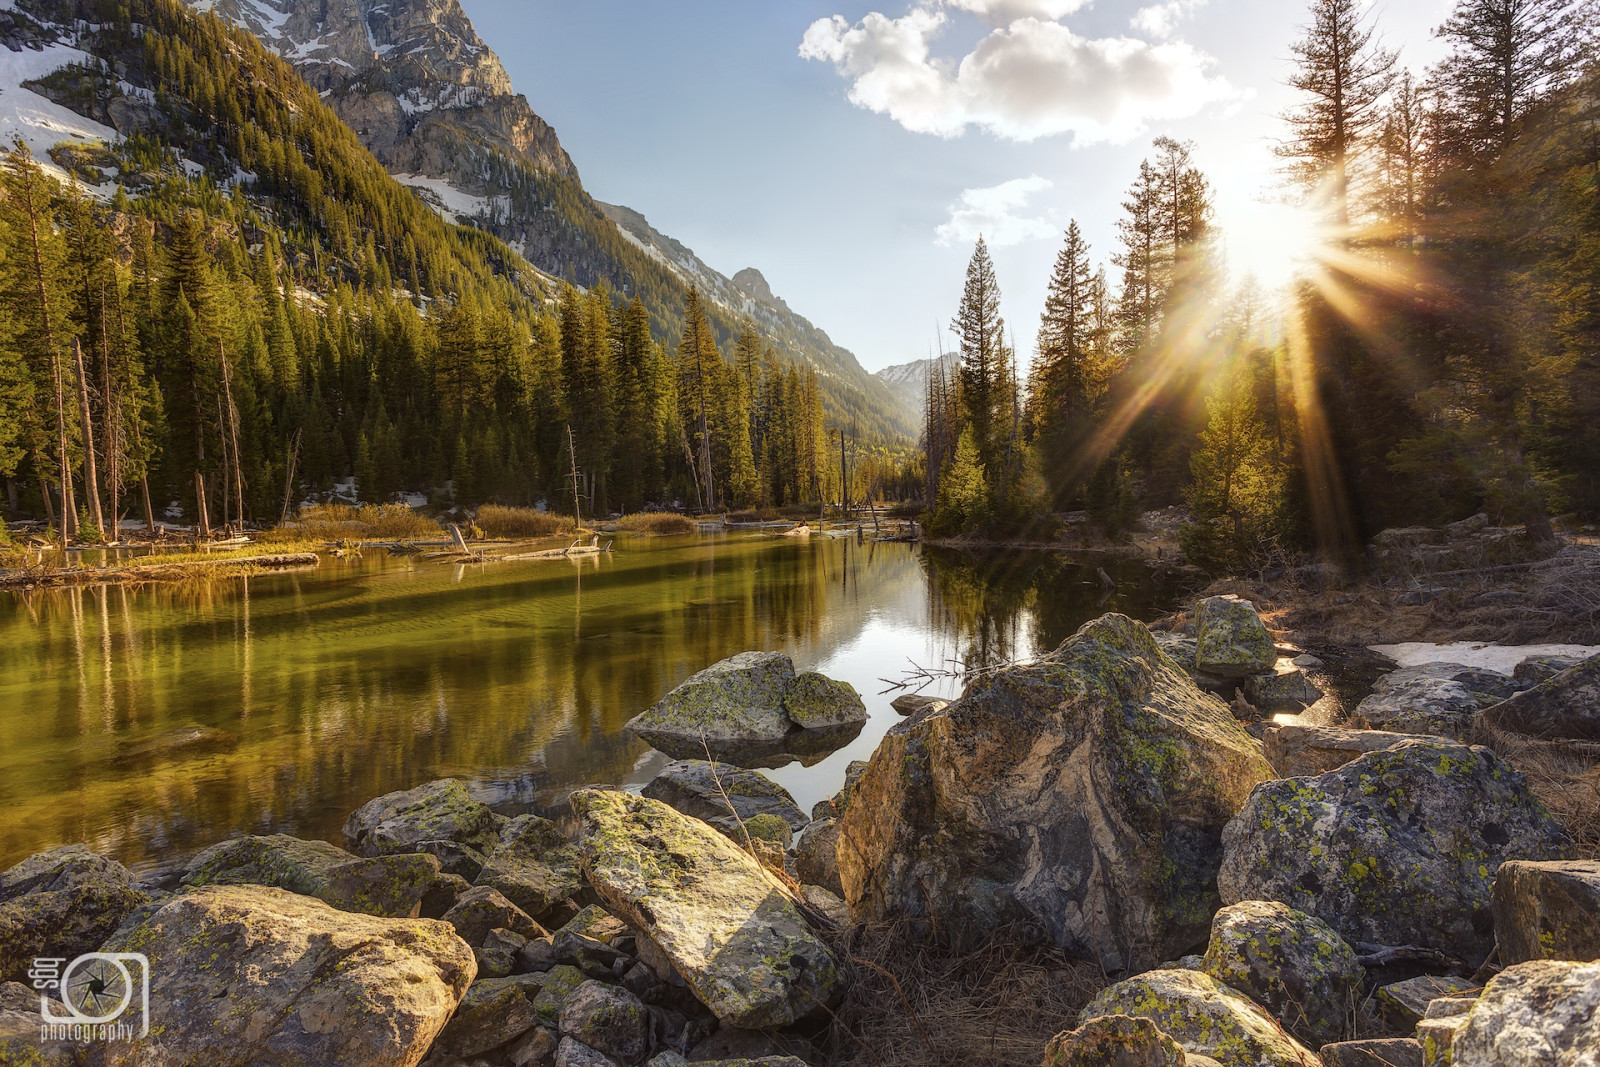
(657, 522)
(349, 522)
(497, 520)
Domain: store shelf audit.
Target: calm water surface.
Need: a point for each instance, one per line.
(151, 722)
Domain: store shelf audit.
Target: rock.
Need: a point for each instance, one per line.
(537, 1046)
(534, 866)
(1205, 1017)
(609, 1020)
(442, 895)
(274, 860)
(61, 903)
(1179, 648)
(436, 811)
(497, 955)
(725, 924)
(852, 777)
(815, 861)
(1297, 751)
(574, 1053)
(723, 795)
(1566, 706)
(1114, 1041)
(1403, 1004)
(1230, 638)
(911, 703)
(1083, 793)
(21, 1031)
(827, 904)
(1536, 669)
(481, 909)
(389, 886)
(1387, 1052)
(1293, 964)
(1307, 662)
(1436, 1033)
(464, 861)
(816, 702)
(1289, 691)
(539, 954)
(1547, 911)
(494, 1011)
(1399, 847)
(1441, 699)
(250, 975)
(1544, 1013)
(588, 936)
(557, 984)
(739, 699)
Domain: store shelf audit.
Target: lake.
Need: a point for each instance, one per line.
(150, 722)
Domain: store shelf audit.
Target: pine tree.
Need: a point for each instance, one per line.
(1059, 387)
(986, 397)
(1142, 233)
(698, 366)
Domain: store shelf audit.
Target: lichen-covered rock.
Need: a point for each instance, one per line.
(434, 811)
(727, 926)
(1381, 1052)
(608, 1019)
(555, 986)
(1284, 691)
(497, 953)
(1293, 964)
(1083, 793)
(1205, 1017)
(1543, 1013)
(1439, 699)
(1114, 1041)
(1180, 648)
(463, 861)
(1547, 911)
(61, 903)
(738, 699)
(1567, 705)
(494, 1011)
(22, 1041)
(1399, 847)
(1535, 669)
(815, 859)
(389, 886)
(587, 937)
(816, 702)
(534, 866)
(1436, 1031)
(723, 795)
(827, 904)
(574, 1053)
(481, 909)
(257, 977)
(1230, 638)
(273, 860)
(1401, 1005)
(1297, 750)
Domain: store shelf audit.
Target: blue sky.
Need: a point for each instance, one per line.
(849, 149)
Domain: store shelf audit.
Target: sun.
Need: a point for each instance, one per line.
(1270, 241)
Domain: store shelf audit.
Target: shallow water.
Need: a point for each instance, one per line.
(151, 722)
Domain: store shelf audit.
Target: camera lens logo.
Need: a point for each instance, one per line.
(105, 996)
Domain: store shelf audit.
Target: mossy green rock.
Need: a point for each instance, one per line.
(608, 1019)
(434, 811)
(61, 903)
(1231, 641)
(1293, 964)
(1399, 847)
(481, 909)
(1205, 1017)
(1083, 794)
(1115, 1041)
(723, 795)
(737, 699)
(1547, 911)
(273, 860)
(1544, 1013)
(556, 985)
(249, 975)
(388, 886)
(494, 1011)
(534, 867)
(728, 928)
(815, 701)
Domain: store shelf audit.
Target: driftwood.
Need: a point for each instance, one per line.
(1370, 955)
(155, 572)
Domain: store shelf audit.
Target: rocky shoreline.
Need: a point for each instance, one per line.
(1253, 891)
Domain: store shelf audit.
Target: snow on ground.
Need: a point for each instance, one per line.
(42, 124)
(445, 198)
(1501, 658)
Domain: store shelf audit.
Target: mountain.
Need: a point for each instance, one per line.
(908, 382)
(434, 104)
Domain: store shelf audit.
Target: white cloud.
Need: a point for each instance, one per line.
(999, 213)
(1031, 78)
(1161, 20)
(1004, 12)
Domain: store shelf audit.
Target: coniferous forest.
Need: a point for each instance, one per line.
(1435, 357)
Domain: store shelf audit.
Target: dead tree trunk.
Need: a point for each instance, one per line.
(91, 474)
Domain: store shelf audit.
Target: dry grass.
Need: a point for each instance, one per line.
(348, 522)
(915, 1001)
(1565, 776)
(657, 522)
(498, 521)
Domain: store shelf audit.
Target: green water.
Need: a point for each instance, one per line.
(151, 722)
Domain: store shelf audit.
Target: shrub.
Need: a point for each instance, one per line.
(339, 522)
(498, 521)
(657, 522)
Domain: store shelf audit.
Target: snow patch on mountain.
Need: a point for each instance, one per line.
(41, 123)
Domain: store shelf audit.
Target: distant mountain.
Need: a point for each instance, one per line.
(908, 382)
(434, 104)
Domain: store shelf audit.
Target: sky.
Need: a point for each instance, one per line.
(852, 150)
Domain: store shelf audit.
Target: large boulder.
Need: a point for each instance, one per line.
(22, 1037)
(1543, 1013)
(727, 926)
(1289, 690)
(1083, 793)
(1205, 1017)
(61, 903)
(1296, 750)
(816, 702)
(1231, 641)
(737, 699)
(388, 886)
(434, 811)
(1438, 699)
(1399, 847)
(493, 1012)
(1293, 964)
(1567, 705)
(608, 1019)
(723, 795)
(1114, 1041)
(534, 866)
(1547, 911)
(256, 976)
(273, 860)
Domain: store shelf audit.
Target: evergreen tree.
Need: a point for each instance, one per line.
(988, 396)
(1060, 385)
